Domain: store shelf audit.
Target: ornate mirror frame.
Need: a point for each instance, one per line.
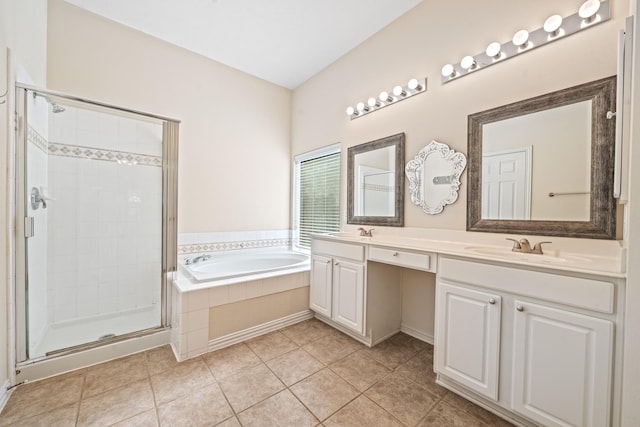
(397, 220)
(602, 218)
(415, 174)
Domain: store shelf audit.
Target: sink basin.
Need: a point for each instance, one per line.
(506, 253)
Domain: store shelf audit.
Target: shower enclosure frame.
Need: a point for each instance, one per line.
(170, 131)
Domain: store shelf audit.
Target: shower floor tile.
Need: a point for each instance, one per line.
(234, 386)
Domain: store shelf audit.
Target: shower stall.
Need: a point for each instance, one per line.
(95, 215)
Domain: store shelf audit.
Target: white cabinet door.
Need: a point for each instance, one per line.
(467, 341)
(562, 366)
(320, 290)
(348, 294)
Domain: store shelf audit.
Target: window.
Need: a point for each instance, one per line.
(317, 194)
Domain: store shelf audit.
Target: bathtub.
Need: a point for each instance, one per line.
(240, 264)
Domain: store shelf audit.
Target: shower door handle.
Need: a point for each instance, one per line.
(29, 226)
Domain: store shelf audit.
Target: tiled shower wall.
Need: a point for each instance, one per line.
(105, 238)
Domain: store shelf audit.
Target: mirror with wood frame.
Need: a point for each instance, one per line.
(375, 182)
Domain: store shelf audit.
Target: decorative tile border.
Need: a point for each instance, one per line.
(121, 157)
(36, 139)
(228, 246)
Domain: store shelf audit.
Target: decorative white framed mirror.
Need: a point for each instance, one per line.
(434, 177)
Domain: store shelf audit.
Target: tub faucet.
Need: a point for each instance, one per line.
(201, 258)
(524, 246)
(365, 233)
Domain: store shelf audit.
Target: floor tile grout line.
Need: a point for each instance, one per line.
(84, 381)
(431, 409)
(153, 392)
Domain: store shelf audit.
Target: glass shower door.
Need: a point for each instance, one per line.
(93, 206)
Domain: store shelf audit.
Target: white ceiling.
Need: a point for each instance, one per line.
(281, 41)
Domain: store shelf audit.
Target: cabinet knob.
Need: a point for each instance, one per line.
(328, 261)
(336, 263)
(395, 254)
(519, 307)
(492, 301)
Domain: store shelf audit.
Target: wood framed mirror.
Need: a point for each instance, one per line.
(375, 182)
(545, 165)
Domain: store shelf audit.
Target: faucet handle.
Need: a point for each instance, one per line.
(516, 244)
(537, 248)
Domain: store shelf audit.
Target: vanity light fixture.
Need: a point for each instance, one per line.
(448, 71)
(588, 11)
(399, 91)
(494, 51)
(413, 87)
(414, 84)
(555, 27)
(385, 97)
(552, 25)
(373, 103)
(361, 107)
(468, 63)
(521, 39)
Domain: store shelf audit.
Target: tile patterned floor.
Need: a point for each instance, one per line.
(307, 374)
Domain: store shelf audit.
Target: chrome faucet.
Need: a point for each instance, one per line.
(365, 233)
(524, 246)
(201, 258)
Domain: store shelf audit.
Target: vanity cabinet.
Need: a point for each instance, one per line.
(561, 366)
(468, 337)
(537, 344)
(337, 288)
(321, 284)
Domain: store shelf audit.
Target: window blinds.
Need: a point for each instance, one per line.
(319, 187)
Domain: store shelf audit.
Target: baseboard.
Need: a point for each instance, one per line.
(416, 333)
(5, 393)
(256, 331)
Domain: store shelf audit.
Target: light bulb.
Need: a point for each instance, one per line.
(361, 107)
(414, 84)
(552, 24)
(398, 91)
(468, 63)
(589, 9)
(521, 38)
(373, 102)
(350, 111)
(385, 97)
(493, 50)
(448, 71)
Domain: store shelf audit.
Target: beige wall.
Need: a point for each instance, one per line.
(418, 44)
(23, 26)
(235, 317)
(234, 169)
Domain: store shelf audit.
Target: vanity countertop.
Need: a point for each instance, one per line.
(597, 257)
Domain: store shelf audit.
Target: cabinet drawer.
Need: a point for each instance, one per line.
(591, 294)
(338, 249)
(415, 260)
